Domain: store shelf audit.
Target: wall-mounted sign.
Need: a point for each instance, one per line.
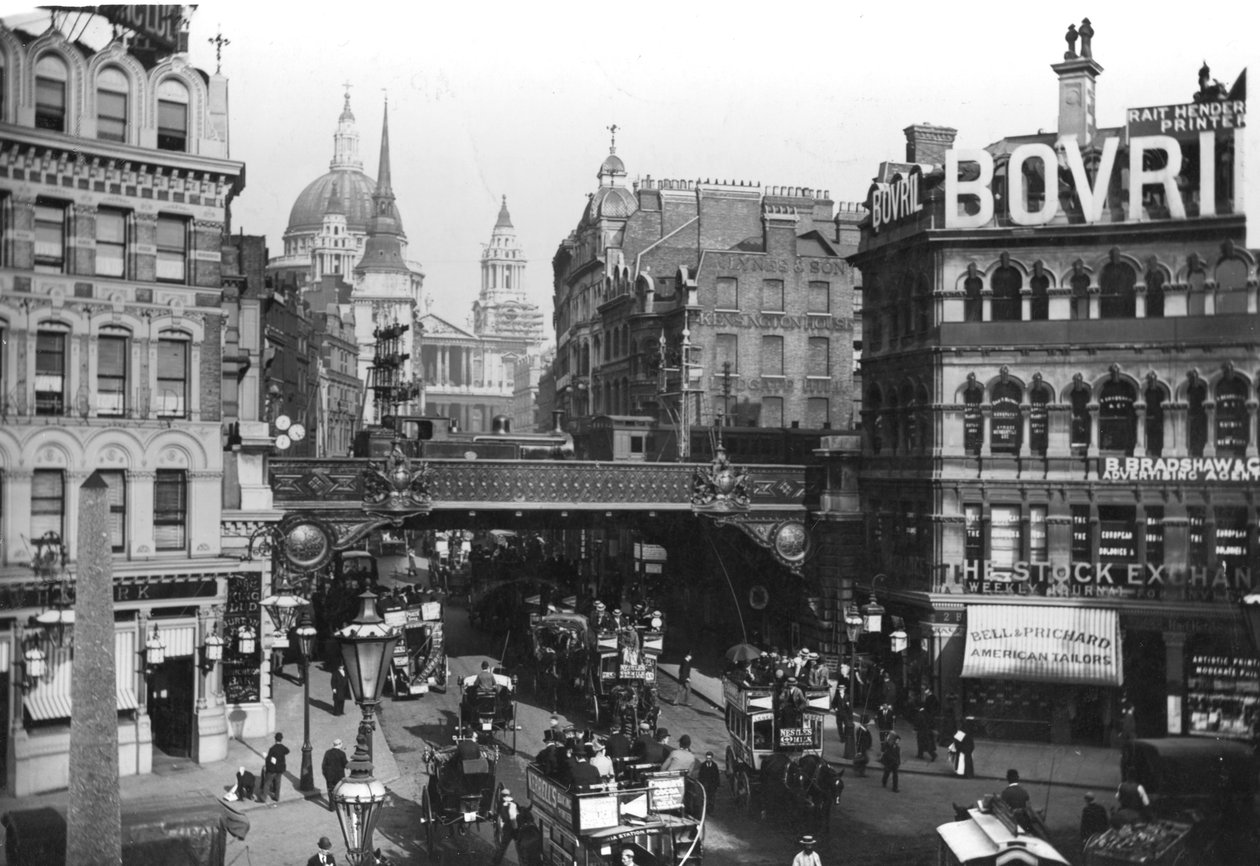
(159, 24)
(891, 203)
(1105, 580)
(772, 321)
(1179, 469)
(1188, 119)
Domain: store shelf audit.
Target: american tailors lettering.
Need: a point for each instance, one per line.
(1180, 469)
(1165, 153)
(1073, 650)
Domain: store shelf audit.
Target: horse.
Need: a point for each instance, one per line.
(822, 785)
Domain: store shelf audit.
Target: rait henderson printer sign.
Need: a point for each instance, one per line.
(1180, 469)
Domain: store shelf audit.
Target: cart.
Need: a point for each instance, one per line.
(1153, 843)
(419, 662)
(561, 645)
(461, 791)
(658, 816)
(989, 835)
(774, 756)
(623, 672)
(483, 714)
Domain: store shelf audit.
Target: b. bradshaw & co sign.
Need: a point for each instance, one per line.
(1179, 469)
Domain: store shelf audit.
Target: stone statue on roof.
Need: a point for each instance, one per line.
(1071, 35)
(1087, 35)
(1210, 89)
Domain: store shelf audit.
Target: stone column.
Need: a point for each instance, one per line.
(1209, 445)
(94, 815)
(1139, 442)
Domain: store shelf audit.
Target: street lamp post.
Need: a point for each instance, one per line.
(306, 643)
(358, 799)
(853, 631)
(367, 645)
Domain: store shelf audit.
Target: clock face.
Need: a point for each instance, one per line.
(283, 441)
(297, 432)
(283, 423)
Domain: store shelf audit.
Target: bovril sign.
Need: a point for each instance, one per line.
(891, 203)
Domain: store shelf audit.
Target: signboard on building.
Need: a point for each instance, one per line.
(891, 203)
(792, 738)
(1084, 579)
(159, 25)
(1187, 120)
(1179, 469)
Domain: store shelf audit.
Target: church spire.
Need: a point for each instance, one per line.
(505, 218)
(383, 187)
(383, 250)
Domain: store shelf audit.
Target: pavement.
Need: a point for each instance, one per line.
(1088, 767)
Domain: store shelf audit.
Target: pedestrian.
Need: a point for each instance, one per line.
(1131, 796)
(806, 856)
(334, 769)
(819, 674)
(1128, 733)
(961, 749)
(862, 747)
(684, 680)
(884, 720)
(1094, 818)
(324, 856)
(888, 691)
(509, 823)
(891, 759)
(273, 771)
(340, 690)
(1018, 798)
(658, 750)
(681, 758)
(553, 733)
(924, 736)
(844, 718)
(709, 774)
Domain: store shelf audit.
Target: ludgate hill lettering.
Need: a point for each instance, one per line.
(1165, 152)
(772, 321)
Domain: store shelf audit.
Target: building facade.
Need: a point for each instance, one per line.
(473, 376)
(1060, 361)
(115, 187)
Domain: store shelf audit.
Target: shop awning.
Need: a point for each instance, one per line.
(1067, 645)
(50, 697)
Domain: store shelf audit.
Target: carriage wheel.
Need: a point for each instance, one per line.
(594, 709)
(426, 807)
(730, 767)
(741, 787)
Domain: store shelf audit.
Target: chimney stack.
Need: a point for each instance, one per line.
(926, 143)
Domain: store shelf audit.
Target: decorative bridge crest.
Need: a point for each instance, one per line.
(398, 491)
(720, 486)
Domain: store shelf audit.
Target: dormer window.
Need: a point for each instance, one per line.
(50, 93)
(172, 131)
(111, 105)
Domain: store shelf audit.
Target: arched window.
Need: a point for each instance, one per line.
(1080, 296)
(1232, 435)
(973, 305)
(973, 419)
(1006, 431)
(1196, 417)
(1078, 402)
(1039, 419)
(1039, 306)
(1006, 306)
(1155, 399)
(112, 87)
(1231, 288)
(172, 115)
(51, 77)
(1117, 419)
(1116, 299)
(1155, 294)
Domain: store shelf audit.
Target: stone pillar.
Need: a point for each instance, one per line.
(94, 815)
(1251, 451)
(1175, 682)
(1139, 443)
(81, 237)
(1209, 445)
(144, 262)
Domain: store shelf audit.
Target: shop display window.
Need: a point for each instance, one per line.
(1005, 539)
(1223, 696)
(974, 529)
(1117, 534)
(1155, 534)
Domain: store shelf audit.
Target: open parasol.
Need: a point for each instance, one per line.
(742, 652)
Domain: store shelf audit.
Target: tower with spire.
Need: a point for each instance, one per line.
(501, 309)
(386, 288)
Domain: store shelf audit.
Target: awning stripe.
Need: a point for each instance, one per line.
(6, 653)
(125, 661)
(1031, 643)
(50, 697)
(179, 639)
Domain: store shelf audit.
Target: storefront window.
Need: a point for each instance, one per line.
(1223, 695)
(1117, 420)
(1155, 534)
(1007, 427)
(974, 530)
(1117, 534)
(1005, 539)
(1082, 550)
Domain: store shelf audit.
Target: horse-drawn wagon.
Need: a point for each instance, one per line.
(461, 789)
(775, 750)
(623, 670)
(561, 646)
(483, 710)
(419, 662)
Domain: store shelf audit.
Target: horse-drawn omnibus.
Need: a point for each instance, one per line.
(658, 816)
(623, 671)
(561, 646)
(775, 750)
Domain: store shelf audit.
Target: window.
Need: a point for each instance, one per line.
(973, 531)
(1078, 402)
(172, 249)
(1039, 420)
(771, 411)
(727, 293)
(1117, 419)
(1082, 548)
(172, 116)
(50, 94)
(1233, 550)
(1006, 539)
(1117, 535)
(1039, 304)
(771, 356)
(973, 304)
(1007, 305)
(111, 105)
(111, 375)
(973, 420)
(1196, 418)
(50, 237)
(1038, 543)
(772, 296)
(1154, 421)
(1155, 295)
(172, 377)
(170, 509)
(1155, 534)
(817, 413)
(1232, 420)
(1080, 296)
(111, 243)
(727, 353)
(820, 357)
(117, 482)
(50, 373)
(1196, 544)
(1231, 288)
(819, 297)
(1006, 430)
(1116, 298)
(48, 502)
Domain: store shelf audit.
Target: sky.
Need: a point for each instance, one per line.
(495, 98)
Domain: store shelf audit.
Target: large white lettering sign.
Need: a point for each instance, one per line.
(976, 195)
(1043, 644)
(1180, 469)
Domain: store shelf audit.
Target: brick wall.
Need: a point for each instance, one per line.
(211, 373)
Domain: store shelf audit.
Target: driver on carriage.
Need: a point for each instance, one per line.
(792, 704)
(487, 682)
